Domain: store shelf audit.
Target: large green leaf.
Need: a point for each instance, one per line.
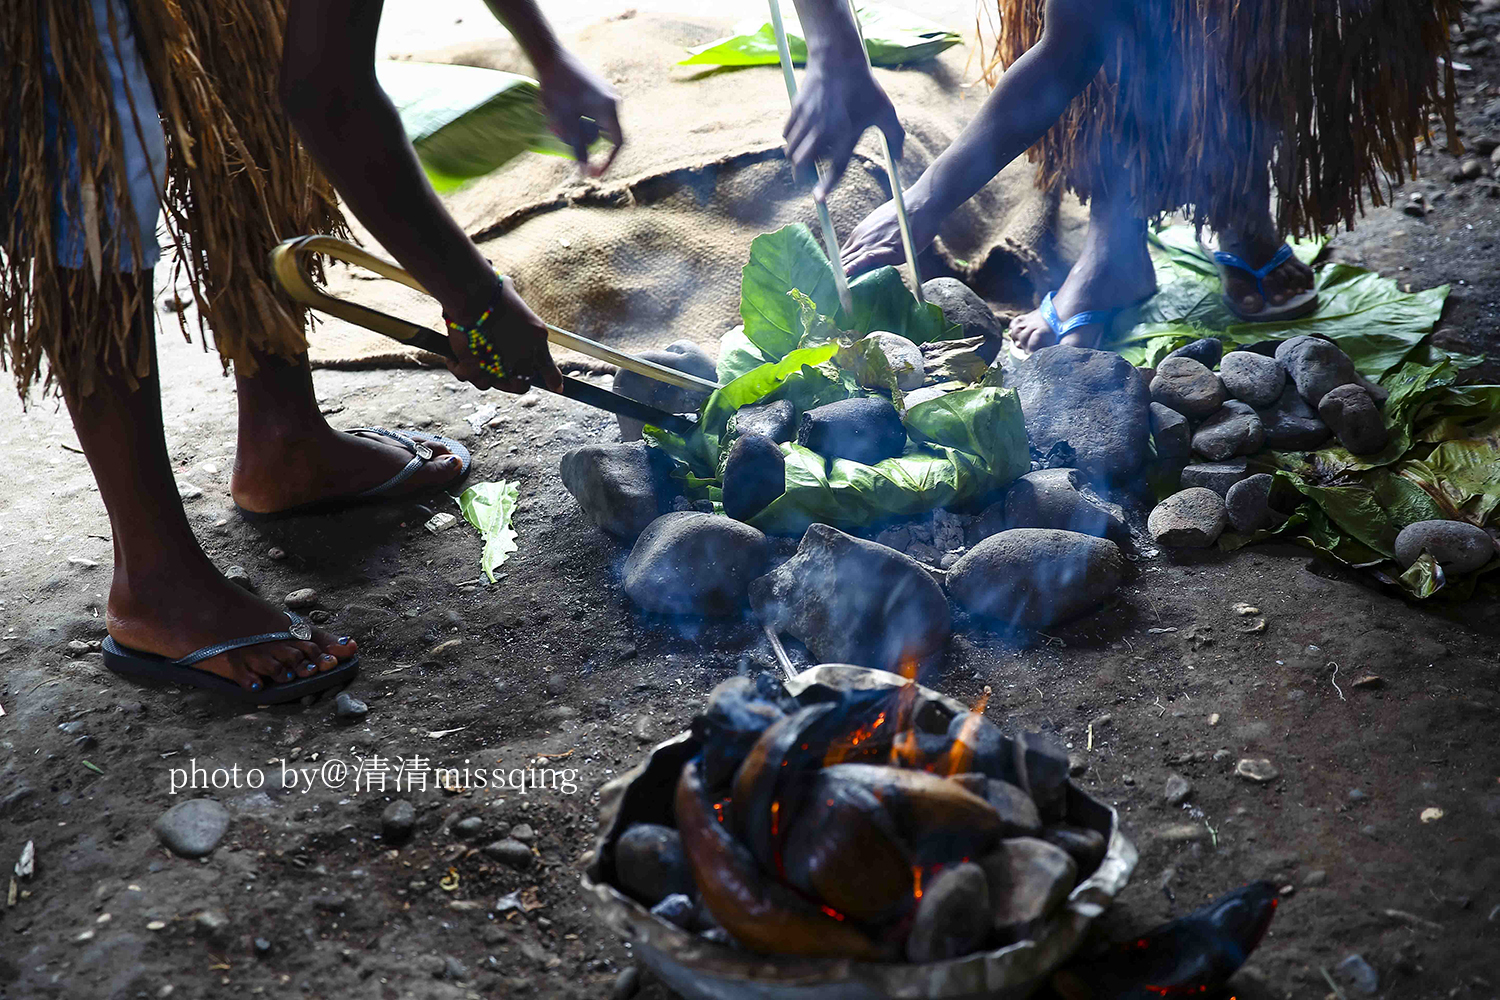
(779, 262)
(883, 302)
(737, 355)
(489, 508)
(465, 121)
(893, 37)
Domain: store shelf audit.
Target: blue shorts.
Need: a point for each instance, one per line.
(145, 152)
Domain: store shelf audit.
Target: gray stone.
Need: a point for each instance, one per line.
(919, 396)
(469, 827)
(1459, 547)
(953, 917)
(627, 984)
(1177, 790)
(1356, 973)
(1249, 504)
(621, 487)
(1028, 879)
(1034, 577)
(192, 829)
(650, 863)
(903, 356)
(777, 421)
(397, 822)
(854, 601)
(961, 306)
(1351, 413)
(240, 577)
(1094, 401)
(1377, 392)
(683, 355)
(1050, 498)
(676, 909)
(1018, 813)
(523, 832)
(1043, 766)
(301, 600)
(1292, 425)
(1194, 518)
(1171, 432)
(1206, 351)
(1233, 430)
(692, 563)
(348, 707)
(1315, 878)
(1252, 378)
(511, 853)
(1315, 366)
(1085, 846)
(1188, 387)
(866, 429)
(1257, 769)
(754, 475)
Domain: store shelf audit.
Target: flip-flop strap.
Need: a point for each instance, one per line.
(421, 455)
(1258, 273)
(299, 632)
(1086, 318)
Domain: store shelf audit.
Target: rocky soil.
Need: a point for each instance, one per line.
(1252, 715)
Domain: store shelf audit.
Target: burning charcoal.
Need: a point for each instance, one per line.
(1094, 401)
(1043, 763)
(1193, 518)
(621, 487)
(1193, 955)
(760, 914)
(853, 601)
(1028, 880)
(1170, 430)
(650, 864)
(1017, 812)
(843, 849)
(777, 421)
(1253, 378)
(1051, 498)
(754, 475)
(1234, 429)
(675, 909)
(953, 917)
(734, 718)
(985, 747)
(1188, 387)
(1316, 366)
(1086, 846)
(962, 307)
(866, 429)
(683, 355)
(692, 563)
(937, 820)
(1352, 415)
(1034, 577)
(1206, 351)
(1292, 425)
(903, 357)
(1458, 547)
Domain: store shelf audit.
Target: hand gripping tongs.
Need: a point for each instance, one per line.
(290, 262)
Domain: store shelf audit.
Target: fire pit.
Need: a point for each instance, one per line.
(793, 942)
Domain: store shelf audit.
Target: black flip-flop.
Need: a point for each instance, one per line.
(415, 442)
(138, 665)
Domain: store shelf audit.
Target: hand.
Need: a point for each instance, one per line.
(580, 108)
(519, 336)
(838, 101)
(876, 241)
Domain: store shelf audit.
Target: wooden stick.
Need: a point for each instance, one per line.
(830, 239)
(780, 651)
(897, 195)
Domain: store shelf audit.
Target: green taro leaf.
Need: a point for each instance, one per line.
(464, 121)
(737, 355)
(779, 262)
(883, 302)
(893, 37)
(489, 508)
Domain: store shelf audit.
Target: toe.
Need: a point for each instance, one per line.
(343, 647)
(245, 670)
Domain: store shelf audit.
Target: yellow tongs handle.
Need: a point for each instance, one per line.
(290, 262)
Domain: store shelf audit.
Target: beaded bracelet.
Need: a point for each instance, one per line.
(480, 347)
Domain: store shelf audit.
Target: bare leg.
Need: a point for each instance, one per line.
(287, 454)
(166, 597)
(1255, 239)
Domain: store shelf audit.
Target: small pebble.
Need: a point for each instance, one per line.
(275, 554)
(240, 577)
(1257, 769)
(397, 821)
(299, 600)
(1178, 790)
(346, 706)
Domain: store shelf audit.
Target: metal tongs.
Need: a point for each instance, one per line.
(290, 262)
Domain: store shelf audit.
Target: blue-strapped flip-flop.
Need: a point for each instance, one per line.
(1110, 319)
(415, 442)
(138, 665)
(1293, 308)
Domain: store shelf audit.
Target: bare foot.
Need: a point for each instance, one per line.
(1112, 273)
(1255, 247)
(277, 472)
(177, 612)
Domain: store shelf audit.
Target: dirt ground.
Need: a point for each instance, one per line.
(553, 661)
